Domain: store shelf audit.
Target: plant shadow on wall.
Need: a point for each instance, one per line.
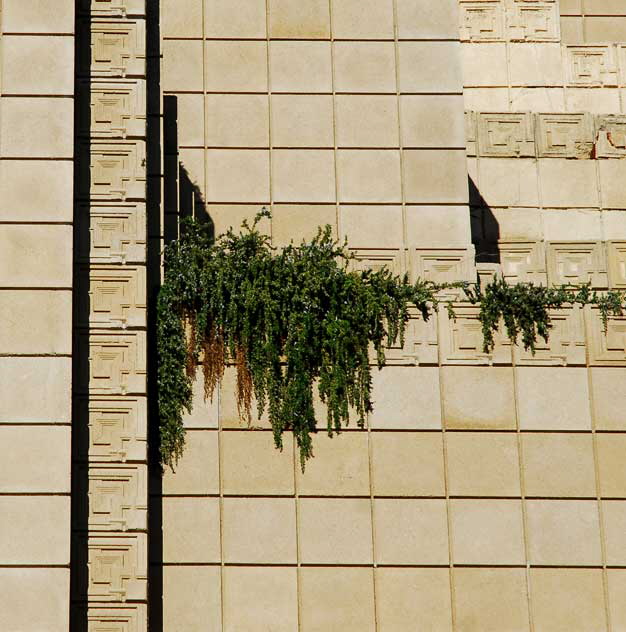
(302, 318)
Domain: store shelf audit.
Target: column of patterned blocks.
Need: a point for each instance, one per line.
(110, 407)
(36, 151)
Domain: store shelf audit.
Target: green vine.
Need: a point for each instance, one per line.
(298, 318)
(524, 308)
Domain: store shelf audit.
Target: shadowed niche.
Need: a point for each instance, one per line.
(154, 244)
(485, 228)
(179, 198)
(79, 576)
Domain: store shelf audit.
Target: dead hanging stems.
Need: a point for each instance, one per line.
(213, 360)
(245, 385)
(301, 319)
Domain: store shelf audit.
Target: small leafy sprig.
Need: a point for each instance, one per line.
(524, 308)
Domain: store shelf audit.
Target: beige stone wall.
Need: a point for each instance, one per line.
(592, 21)
(350, 117)
(486, 493)
(36, 211)
(545, 139)
(349, 114)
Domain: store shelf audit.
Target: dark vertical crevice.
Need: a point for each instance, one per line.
(156, 183)
(191, 203)
(79, 576)
(183, 197)
(170, 168)
(485, 228)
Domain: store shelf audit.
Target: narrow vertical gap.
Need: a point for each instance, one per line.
(596, 466)
(333, 81)
(446, 474)
(220, 456)
(270, 139)
(507, 53)
(220, 429)
(1, 66)
(296, 464)
(79, 576)
(373, 520)
(159, 128)
(204, 116)
(396, 45)
(621, 71)
(522, 482)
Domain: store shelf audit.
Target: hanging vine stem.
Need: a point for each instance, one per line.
(298, 318)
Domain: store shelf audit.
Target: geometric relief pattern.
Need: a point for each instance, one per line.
(582, 136)
(111, 255)
(376, 259)
(118, 171)
(420, 343)
(442, 265)
(565, 135)
(118, 497)
(592, 65)
(617, 264)
(118, 109)
(461, 339)
(114, 8)
(117, 296)
(117, 619)
(611, 136)
(577, 262)
(117, 233)
(482, 21)
(117, 363)
(606, 348)
(117, 567)
(566, 345)
(523, 261)
(118, 48)
(117, 430)
(509, 20)
(532, 21)
(506, 135)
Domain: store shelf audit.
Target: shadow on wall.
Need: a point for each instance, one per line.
(182, 198)
(485, 228)
(155, 228)
(79, 576)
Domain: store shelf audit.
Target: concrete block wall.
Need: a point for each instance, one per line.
(592, 21)
(544, 127)
(543, 94)
(36, 214)
(349, 114)
(521, 56)
(488, 490)
(340, 113)
(485, 493)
